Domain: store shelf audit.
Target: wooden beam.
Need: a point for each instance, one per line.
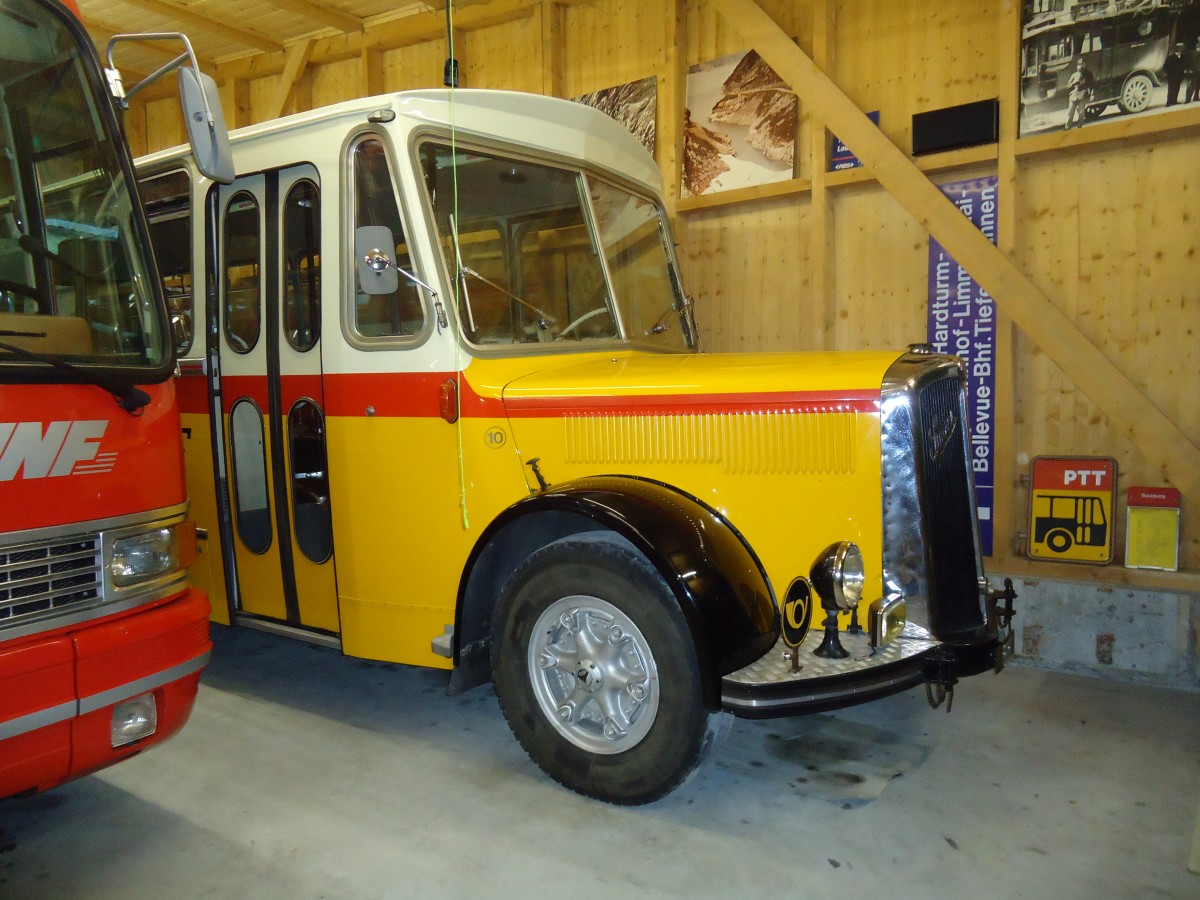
(323, 14)
(822, 312)
(181, 14)
(297, 60)
(135, 128)
(440, 5)
(371, 72)
(102, 32)
(235, 100)
(1184, 120)
(1130, 410)
(671, 106)
(554, 77)
(391, 35)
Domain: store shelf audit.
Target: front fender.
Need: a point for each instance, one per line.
(718, 581)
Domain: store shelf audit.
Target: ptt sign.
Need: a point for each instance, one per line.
(1083, 477)
(1071, 508)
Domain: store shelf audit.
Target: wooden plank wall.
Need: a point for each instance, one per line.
(1103, 219)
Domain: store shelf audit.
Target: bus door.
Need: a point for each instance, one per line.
(273, 400)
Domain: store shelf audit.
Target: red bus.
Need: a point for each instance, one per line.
(102, 640)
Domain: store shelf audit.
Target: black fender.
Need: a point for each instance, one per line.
(714, 574)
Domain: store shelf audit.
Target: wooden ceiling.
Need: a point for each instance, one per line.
(227, 34)
(222, 31)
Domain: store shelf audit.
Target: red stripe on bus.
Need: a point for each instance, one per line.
(416, 395)
(193, 391)
(404, 395)
(240, 387)
(296, 387)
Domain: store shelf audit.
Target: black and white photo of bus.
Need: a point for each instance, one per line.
(1123, 46)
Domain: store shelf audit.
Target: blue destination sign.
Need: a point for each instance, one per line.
(962, 321)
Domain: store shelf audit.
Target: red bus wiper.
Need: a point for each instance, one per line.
(128, 396)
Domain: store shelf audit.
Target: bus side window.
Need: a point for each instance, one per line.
(301, 266)
(252, 511)
(243, 301)
(401, 313)
(168, 208)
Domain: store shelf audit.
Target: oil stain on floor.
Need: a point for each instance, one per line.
(827, 758)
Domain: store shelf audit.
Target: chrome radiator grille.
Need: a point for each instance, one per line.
(947, 485)
(931, 543)
(49, 578)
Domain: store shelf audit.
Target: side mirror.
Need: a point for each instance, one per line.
(373, 249)
(198, 96)
(201, 102)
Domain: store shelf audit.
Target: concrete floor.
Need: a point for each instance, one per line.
(304, 774)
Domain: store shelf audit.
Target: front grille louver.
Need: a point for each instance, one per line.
(949, 510)
(49, 578)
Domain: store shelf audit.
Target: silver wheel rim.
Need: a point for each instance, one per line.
(593, 674)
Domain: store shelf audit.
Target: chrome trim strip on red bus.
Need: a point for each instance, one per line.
(72, 709)
(143, 685)
(53, 532)
(97, 597)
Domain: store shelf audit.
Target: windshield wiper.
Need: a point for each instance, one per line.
(34, 247)
(128, 396)
(459, 280)
(660, 326)
(544, 321)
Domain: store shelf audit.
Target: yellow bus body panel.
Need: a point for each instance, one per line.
(208, 571)
(794, 470)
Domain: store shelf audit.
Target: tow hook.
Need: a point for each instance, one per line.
(1003, 613)
(940, 682)
(1003, 616)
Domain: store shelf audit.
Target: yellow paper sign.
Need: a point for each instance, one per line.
(1152, 528)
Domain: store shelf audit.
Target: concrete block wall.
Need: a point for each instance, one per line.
(1137, 635)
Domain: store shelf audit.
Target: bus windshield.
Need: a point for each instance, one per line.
(73, 281)
(548, 255)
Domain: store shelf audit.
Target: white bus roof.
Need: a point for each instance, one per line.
(543, 124)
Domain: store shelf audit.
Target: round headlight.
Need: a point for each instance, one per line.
(838, 575)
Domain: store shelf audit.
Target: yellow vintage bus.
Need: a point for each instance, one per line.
(444, 405)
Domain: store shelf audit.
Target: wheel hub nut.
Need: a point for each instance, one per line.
(589, 675)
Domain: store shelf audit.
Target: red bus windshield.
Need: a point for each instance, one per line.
(74, 283)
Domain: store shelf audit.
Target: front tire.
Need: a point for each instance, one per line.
(1136, 93)
(596, 671)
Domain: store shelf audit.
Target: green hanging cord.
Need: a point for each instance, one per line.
(450, 77)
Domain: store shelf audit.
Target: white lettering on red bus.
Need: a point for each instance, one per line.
(54, 449)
